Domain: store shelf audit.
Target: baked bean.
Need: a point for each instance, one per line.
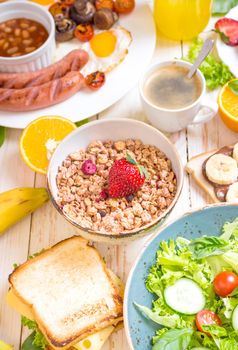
(21, 36)
(25, 34)
(5, 45)
(27, 41)
(30, 49)
(32, 29)
(17, 32)
(12, 50)
(7, 30)
(24, 25)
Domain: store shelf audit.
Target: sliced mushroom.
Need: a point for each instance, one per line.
(85, 16)
(104, 19)
(64, 28)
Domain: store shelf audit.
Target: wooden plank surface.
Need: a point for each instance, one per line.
(46, 226)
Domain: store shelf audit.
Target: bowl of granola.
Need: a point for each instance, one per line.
(115, 180)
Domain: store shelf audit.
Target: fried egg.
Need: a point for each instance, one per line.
(107, 49)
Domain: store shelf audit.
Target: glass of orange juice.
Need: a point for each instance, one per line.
(182, 19)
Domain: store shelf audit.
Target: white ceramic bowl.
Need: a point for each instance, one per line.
(114, 129)
(35, 60)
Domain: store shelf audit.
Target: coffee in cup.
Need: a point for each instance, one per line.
(171, 100)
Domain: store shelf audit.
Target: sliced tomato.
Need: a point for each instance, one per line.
(58, 8)
(206, 317)
(95, 80)
(224, 283)
(124, 6)
(104, 4)
(84, 32)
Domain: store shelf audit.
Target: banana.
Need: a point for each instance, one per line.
(232, 193)
(221, 169)
(235, 152)
(5, 346)
(17, 203)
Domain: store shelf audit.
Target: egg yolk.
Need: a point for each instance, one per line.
(103, 44)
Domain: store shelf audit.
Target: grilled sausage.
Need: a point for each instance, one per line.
(41, 96)
(74, 61)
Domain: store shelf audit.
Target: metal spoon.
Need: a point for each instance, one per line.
(205, 50)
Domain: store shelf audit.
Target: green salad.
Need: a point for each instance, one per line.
(196, 288)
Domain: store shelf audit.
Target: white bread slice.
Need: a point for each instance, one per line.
(70, 292)
(94, 341)
(194, 168)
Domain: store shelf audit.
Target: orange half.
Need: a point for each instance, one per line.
(228, 107)
(40, 138)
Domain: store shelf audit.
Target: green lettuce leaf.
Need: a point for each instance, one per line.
(230, 229)
(166, 321)
(217, 264)
(28, 343)
(231, 258)
(228, 344)
(38, 339)
(215, 330)
(205, 246)
(174, 339)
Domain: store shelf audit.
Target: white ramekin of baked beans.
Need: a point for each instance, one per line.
(27, 37)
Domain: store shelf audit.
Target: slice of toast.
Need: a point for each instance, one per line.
(70, 292)
(194, 168)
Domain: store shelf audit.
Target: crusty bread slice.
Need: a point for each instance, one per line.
(70, 292)
(194, 168)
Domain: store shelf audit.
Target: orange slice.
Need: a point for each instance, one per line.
(228, 107)
(40, 138)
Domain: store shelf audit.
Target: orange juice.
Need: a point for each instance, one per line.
(182, 19)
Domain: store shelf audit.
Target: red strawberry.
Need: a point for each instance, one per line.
(228, 30)
(125, 177)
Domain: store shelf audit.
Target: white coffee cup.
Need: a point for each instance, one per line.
(172, 120)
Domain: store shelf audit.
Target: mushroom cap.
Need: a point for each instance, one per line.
(84, 16)
(104, 19)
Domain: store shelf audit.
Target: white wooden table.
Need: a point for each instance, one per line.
(46, 226)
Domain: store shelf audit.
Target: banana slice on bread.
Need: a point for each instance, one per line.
(221, 169)
(232, 193)
(216, 172)
(235, 152)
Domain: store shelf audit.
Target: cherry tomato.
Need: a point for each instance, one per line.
(124, 6)
(207, 317)
(95, 80)
(84, 32)
(59, 8)
(224, 283)
(104, 4)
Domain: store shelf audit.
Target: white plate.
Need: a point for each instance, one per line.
(229, 54)
(83, 105)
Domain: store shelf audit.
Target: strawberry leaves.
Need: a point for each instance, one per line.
(142, 169)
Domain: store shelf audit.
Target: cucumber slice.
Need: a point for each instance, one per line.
(185, 297)
(235, 318)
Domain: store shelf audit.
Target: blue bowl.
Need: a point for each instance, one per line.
(208, 221)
